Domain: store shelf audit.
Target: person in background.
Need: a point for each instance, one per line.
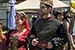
(59, 16)
(67, 25)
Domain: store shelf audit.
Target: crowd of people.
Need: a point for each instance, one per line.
(50, 31)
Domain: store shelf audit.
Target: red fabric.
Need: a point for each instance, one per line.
(21, 39)
(42, 44)
(21, 48)
(26, 23)
(23, 36)
(49, 17)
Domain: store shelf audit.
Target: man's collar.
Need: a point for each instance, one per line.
(49, 16)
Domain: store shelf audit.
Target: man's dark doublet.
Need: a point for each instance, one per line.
(46, 29)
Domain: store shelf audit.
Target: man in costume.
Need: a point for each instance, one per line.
(49, 32)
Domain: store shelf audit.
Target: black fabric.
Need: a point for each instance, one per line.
(62, 37)
(33, 32)
(47, 29)
(33, 20)
(62, 33)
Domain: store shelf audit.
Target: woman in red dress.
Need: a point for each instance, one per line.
(18, 38)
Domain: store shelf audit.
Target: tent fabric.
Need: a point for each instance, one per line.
(34, 4)
(57, 4)
(29, 4)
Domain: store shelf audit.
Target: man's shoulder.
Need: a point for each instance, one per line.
(36, 21)
(54, 20)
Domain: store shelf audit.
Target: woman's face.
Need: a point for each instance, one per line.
(18, 21)
(60, 17)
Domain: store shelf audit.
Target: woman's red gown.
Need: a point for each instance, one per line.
(22, 39)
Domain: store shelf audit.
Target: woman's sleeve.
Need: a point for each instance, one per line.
(23, 36)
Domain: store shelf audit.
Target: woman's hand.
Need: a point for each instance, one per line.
(35, 42)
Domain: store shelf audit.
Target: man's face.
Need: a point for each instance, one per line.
(44, 9)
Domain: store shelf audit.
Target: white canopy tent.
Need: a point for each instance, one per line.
(34, 4)
(59, 4)
(29, 4)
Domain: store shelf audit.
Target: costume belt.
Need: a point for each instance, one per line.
(42, 44)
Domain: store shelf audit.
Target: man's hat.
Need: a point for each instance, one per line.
(47, 2)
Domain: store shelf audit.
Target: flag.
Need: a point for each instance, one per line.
(11, 18)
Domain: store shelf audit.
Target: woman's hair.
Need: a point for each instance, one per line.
(17, 14)
(66, 16)
(56, 13)
(24, 17)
